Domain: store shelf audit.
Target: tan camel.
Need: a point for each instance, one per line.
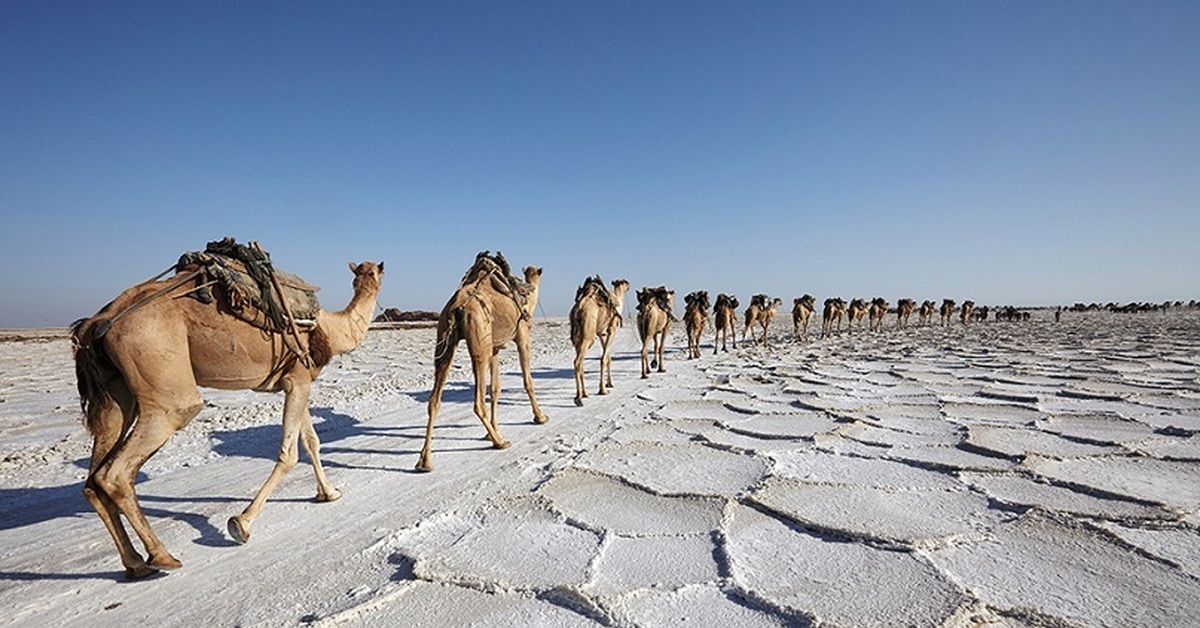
(596, 314)
(725, 320)
(832, 315)
(490, 309)
(928, 308)
(876, 311)
(139, 361)
(967, 312)
(947, 311)
(802, 310)
(857, 313)
(761, 312)
(653, 321)
(695, 319)
(904, 310)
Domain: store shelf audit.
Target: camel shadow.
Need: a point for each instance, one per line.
(31, 506)
(262, 441)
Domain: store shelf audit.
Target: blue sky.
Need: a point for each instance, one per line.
(1030, 153)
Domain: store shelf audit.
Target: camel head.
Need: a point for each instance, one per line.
(367, 276)
(533, 275)
(620, 287)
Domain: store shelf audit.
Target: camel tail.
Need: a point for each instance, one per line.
(92, 369)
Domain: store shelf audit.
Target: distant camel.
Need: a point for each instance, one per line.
(490, 309)
(832, 315)
(654, 320)
(877, 311)
(947, 311)
(928, 308)
(904, 309)
(695, 319)
(968, 312)
(857, 313)
(802, 310)
(596, 314)
(725, 320)
(139, 360)
(761, 311)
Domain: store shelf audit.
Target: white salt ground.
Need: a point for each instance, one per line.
(1001, 474)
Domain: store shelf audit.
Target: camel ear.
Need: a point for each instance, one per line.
(353, 268)
(381, 267)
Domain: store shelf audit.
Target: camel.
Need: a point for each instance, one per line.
(490, 309)
(876, 312)
(725, 319)
(695, 319)
(802, 309)
(832, 315)
(653, 320)
(596, 314)
(946, 311)
(967, 312)
(140, 359)
(926, 313)
(904, 309)
(856, 313)
(761, 311)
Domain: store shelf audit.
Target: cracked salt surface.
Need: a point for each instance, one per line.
(935, 477)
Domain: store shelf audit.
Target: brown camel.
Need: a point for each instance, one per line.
(857, 313)
(725, 320)
(876, 311)
(904, 310)
(761, 311)
(802, 310)
(490, 309)
(926, 312)
(653, 320)
(947, 311)
(967, 312)
(596, 314)
(832, 315)
(695, 319)
(139, 361)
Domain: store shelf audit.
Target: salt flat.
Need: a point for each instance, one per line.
(1001, 474)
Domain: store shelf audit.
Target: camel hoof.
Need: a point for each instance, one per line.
(237, 530)
(330, 496)
(541, 419)
(501, 445)
(604, 392)
(166, 562)
(579, 401)
(138, 572)
(424, 468)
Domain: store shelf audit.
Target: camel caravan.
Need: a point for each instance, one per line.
(227, 319)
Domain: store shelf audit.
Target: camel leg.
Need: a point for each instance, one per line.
(109, 426)
(494, 393)
(605, 364)
(295, 408)
(480, 363)
(527, 376)
(581, 349)
(312, 446)
(115, 476)
(645, 357)
(659, 342)
(447, 342)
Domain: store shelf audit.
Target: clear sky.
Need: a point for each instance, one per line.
(1026, 153)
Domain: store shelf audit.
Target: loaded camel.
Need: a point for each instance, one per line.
(653, 320)
(832, 315)
(802, 310)
(490, 309)
(695, 319)
(946, 311)
(904, 310)
(928, 308)
(761, 311)
(596, 314)
(967, 312)
(140, 359)
(725, 320)
(876, 311)
(857, 313)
